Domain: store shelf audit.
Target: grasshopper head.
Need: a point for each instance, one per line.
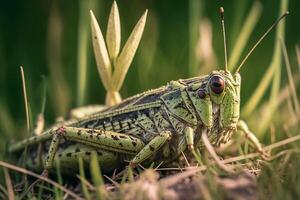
(224, 91)
(216, 99)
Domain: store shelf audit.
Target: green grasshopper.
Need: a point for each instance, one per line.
(154, 126)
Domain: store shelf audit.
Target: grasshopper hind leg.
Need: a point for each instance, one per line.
(67, 155)
(107, 144)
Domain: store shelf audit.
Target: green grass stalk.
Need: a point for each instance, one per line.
(82, 51)
(276, 64)
(244, 35)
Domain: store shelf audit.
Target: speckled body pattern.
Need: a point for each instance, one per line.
(120, 132)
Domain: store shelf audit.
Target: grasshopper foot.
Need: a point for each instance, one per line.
(45, 173)
(133, 165)
(264, 154)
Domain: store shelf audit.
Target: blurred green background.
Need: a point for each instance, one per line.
(48, 38)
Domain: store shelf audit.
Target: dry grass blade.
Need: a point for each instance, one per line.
(244, 35)
(167, 182)
(101, 54)
(291, 80)
(3, 192)
(25, 171)
(113, 33)
(40, 124)
(298, 56)
(281, 143)
(211, 151)
(124, 60)
(86, 183)
(266, 148)
(25, 99)
(9, 186)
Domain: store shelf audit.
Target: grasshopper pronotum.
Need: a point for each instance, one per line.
(153, 126)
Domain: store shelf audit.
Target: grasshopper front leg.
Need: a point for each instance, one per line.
(243, 127)
(189, 137)
(153, 146)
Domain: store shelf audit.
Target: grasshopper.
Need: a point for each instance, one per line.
(154, 126)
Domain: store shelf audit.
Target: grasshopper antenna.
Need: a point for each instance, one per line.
(224, 37)
(259, 41)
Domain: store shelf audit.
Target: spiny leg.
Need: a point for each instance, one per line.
(153, 146)
(52, 150)
(107, 140)
(243, 127)
(189, 137)
(68, 158)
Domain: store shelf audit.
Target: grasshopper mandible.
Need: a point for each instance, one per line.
(153, 126)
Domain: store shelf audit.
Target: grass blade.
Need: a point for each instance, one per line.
(195, 12)
(82, 175)
(60, 96)
(101, 54)
(83, 33)
(124, 60)
(244, 35)
(276, 64)
(9, 186)
(258, 93)
(265, 82)
(58, 193)
(298, 56)
(27, 172)
(290, 77)
(113, 33)
(97, 176)
(25, 99)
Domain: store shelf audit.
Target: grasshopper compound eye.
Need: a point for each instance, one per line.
(217, 84)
